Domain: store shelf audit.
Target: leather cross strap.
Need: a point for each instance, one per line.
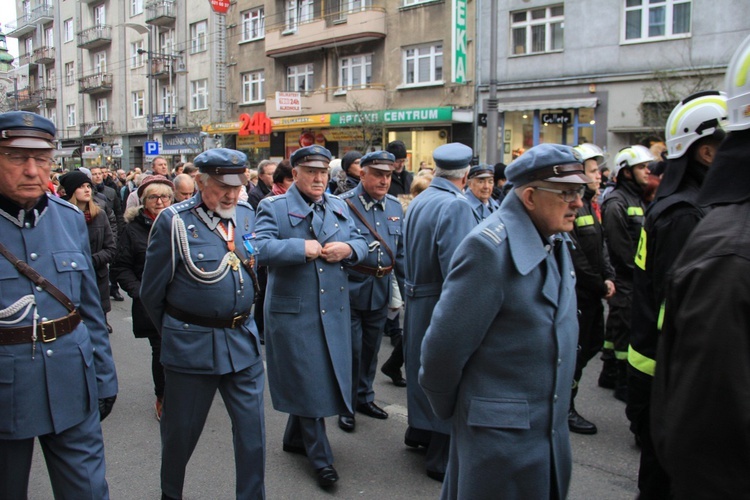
(248, 265)
(37, 279)
(378, 272)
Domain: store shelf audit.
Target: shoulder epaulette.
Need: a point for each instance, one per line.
(495, 233)
(63, 203)
(344, 196)
(391, 197)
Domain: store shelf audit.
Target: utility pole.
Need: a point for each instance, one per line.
(492, 115)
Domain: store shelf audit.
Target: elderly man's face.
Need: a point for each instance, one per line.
(311, 181)
(548, 209)
(24, 174)
(160, 166)
(481, 187)
(219, 197)
(376, 182)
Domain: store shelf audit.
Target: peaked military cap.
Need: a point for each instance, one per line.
(381, 160)
(311, 156)
(481, 171)
(225, 165)
(453, 156)
(22, 129)
(548, 162)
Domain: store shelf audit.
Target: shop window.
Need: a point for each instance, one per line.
(537, 31)
(649, 20)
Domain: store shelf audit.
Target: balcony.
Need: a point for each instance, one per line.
(26, 98)
(95, 84)
(28, 22)
(160, 13)
(162, 69)
(47, 95)
(94, 37)
(26, 59)
(43, 55)
(96, 129)
(335, 29)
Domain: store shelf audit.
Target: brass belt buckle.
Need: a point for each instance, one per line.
(380, 272)
(237, 321)
(43, 326)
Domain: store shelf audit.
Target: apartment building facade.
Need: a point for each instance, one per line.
(263, 77)
(607, 72)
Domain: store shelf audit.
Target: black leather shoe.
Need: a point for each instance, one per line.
(578, 424)
(346, 423)
(437, 476)
(116, 296)
(299, 450)
(327, 476)
(394, 374)
(372, 410)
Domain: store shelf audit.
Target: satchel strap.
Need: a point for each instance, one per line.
(372, 230)
(37, 278)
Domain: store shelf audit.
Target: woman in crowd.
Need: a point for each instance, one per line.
(155, 193)
(79, 192)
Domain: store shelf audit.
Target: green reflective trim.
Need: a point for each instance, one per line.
(635, 211)
(585, 220)
(621, 355)
(640, 254)
(640, 362)
(609, 345)
(660, 319)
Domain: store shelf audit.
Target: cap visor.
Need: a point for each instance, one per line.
(572, 179)
(380, 166)
(313, 164)
(231, 179)
(27, 142)
(483, 175)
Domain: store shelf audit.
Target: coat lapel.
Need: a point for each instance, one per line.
(298, 209)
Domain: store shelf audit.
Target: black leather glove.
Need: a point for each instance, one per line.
(105, 407)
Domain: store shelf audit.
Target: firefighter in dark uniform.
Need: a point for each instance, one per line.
(700, 407)
(693, 135)
(622, 216)
(595, 279)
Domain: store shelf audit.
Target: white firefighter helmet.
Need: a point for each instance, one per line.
(630, 157)
(697, 116)
(589, 151)
(737, 85)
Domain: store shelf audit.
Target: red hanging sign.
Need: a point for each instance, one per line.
(219, 6)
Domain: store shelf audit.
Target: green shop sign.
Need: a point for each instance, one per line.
(392, 116)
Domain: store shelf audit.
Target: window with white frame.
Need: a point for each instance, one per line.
(139, 109)
(70, 112)
(299, 78)
(345, 7)
(423, 64)
(49, 37)
(51, 115)
(100, 62)
(298, 11)
(537, 31)
(647, 20)
(29, 45)
(68, 30)
(70, 75)
(355, 71)
(415, 2)
(253, 24)
(253, 84)
(101, 110)
(136, 7)
(199, 94)
(100, 15)
(166, 100)
(198, 36)
(50, 82)
(137, 59)
(166, 39)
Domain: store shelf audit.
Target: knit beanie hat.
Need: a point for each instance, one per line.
(350, 158)
(72, 181)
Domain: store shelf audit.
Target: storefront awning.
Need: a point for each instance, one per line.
(584, 102)
(66, 152)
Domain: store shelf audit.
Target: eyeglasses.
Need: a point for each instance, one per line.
(20, 159)
(568, 196)
(163, 197)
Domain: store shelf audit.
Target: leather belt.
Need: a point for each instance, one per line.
(378, 272)
(194, 319)
(46, 331)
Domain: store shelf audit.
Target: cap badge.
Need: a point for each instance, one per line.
(235, 159)
(28, 120)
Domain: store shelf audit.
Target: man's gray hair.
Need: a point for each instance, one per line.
(264, 163)
(451, 174)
